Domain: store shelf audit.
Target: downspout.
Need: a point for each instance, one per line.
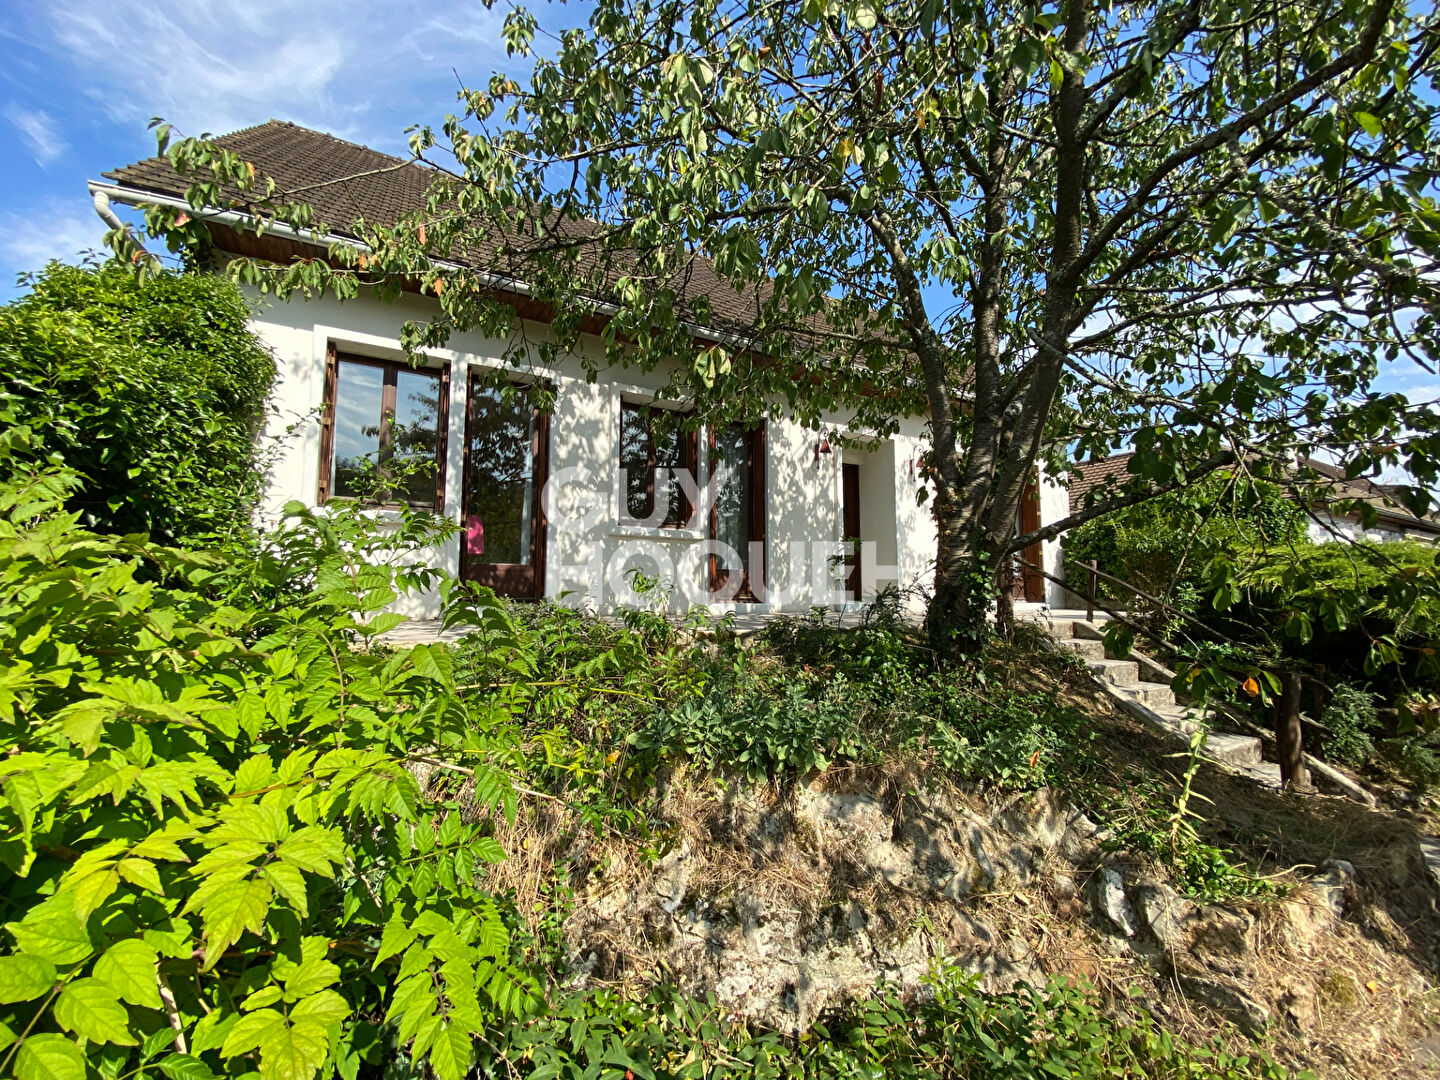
(102, 207)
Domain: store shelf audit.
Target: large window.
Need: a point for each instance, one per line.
(737, 515)
(384, 435)
(653, 455)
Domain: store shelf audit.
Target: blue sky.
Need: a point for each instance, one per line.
(79, 80)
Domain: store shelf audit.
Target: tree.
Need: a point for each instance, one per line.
(153, 391)
(1193, 225)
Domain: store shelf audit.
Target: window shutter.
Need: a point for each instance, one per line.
(327, 424)
(690, 462)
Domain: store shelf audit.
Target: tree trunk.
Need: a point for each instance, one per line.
(1289, 739)
(967, 566)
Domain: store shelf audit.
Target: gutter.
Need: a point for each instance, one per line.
(103, 194)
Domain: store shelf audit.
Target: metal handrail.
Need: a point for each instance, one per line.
(1288, 718)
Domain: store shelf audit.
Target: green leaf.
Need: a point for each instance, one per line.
(91, 1009)
(24, 978)
(53, 931)
(185, 1067)
(251, 1032)
(310, 977)
(290, 884)
(141, 873)
(49, 1057)
(1369, 121)
(314, 848)
(326, 1007)
(450, 1052)
(235, 908)
(433, 661)
(128, 967)
(294, 1053)
(396, 938)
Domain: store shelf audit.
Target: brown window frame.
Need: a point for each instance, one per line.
(391, 369)
(689, 459)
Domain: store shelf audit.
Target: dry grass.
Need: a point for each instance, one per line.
(1348, 998)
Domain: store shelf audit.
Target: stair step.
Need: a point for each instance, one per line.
(1154, 694)
(1237, 750)
(1262, 772)
(1059, 629)
(1091, 650)
(1119, 672)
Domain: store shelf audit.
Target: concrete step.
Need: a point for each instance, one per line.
(1059, 629)
(1262, 772)
(1091, 650)
(1119, 672)
(1150, 693)
(1238, 750)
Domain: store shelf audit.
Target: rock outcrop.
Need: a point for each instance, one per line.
(785, 906)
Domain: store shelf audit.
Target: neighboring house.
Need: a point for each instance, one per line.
(562, 504)
(1327, 519)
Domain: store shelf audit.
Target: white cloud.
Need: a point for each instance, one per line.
(29, 240)
(357, 70)
(38, 131)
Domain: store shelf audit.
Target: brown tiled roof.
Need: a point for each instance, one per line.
(1113, 471)
(1100, 473)
(346, 183)
(1380, 496)
(309, 166)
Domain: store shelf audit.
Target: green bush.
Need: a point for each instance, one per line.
(1165, 544)
(215, 854)
(754, 732)
(952, 1030)
(154, 393)
(1350, 718)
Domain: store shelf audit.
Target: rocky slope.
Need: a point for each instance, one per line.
(788, 903)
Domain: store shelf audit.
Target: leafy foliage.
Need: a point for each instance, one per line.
(1358, 608)
(1165, 546)
(953, 1031)
(755, 733)
(154, 392)
(1350, 720)
(216, 854)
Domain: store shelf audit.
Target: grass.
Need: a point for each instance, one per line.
(635, 709)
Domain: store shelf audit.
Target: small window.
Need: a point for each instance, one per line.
(384, 434)
(653, 457)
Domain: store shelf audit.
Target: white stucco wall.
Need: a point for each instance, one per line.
(585, 561)
(1325, 528)
(1054, 506)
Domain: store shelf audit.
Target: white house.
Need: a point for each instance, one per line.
(1331, 511)
(562, 504)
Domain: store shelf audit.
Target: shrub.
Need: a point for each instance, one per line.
(215, 853)
(153, 392)
(1167, 542)
(953, 1030)
(1349, 718)
(753, 732)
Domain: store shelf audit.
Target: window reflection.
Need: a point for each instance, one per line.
(385, 434)
(500, 497)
